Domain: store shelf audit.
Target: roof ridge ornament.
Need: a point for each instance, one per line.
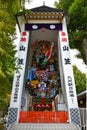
(43, 2)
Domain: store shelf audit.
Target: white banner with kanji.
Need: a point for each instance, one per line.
(67, 68)
(20, 72)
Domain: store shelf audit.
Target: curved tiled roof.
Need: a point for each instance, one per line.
(45, 9)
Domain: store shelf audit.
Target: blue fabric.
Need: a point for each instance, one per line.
(31, 74)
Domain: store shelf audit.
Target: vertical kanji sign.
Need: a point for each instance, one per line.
(17, 89)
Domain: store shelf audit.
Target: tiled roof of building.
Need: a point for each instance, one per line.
(45, 9)
(82, 93)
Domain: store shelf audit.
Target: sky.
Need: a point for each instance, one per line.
(75, 61)
(36, 3)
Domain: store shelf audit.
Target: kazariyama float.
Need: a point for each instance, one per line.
(43, 94)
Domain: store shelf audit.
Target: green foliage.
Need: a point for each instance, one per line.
(63, 4)
(78, 15)
(76, 39)
(80, 80)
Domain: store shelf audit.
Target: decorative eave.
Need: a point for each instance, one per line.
(44, 13)
(44, 16)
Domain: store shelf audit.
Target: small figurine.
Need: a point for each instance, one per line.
(48, 54)
(42, 86)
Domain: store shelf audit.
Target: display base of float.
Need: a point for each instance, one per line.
(43, 126)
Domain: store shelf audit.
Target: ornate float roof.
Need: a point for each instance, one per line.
(45, 8)
(44, 13)
(41, 13)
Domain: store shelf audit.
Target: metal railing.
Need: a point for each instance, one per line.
(83, 115)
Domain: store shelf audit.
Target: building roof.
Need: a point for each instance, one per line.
(82, 93)
(45, 8)
(44, 13)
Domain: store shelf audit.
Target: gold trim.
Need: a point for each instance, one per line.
(44, 16)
